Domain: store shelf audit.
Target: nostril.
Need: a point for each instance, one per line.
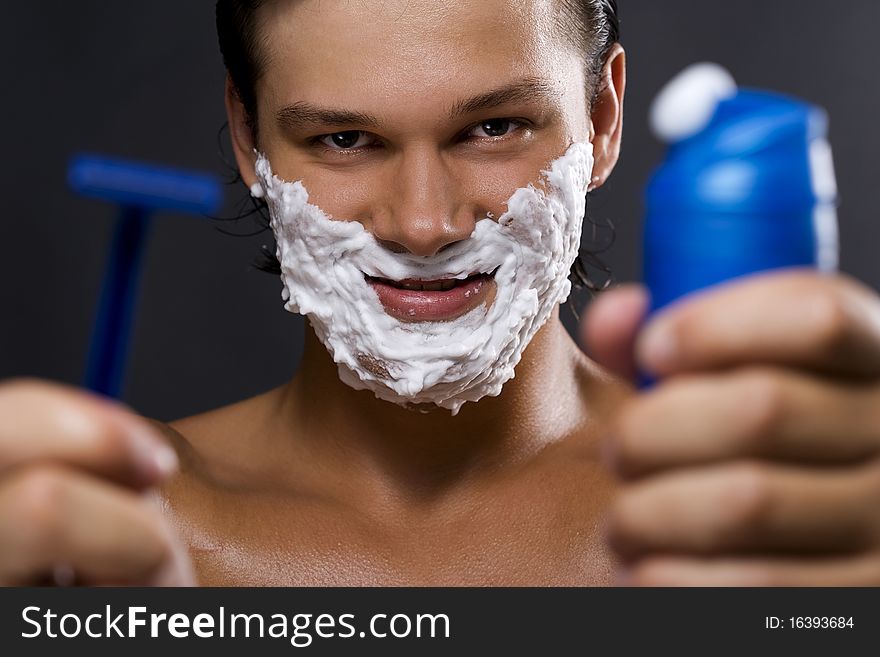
(392, 246)
(421, 241)
(422, 230)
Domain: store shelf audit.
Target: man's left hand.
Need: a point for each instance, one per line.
(755, 460)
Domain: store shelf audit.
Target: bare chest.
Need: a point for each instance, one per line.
(546, 531)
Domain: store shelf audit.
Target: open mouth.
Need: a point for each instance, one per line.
(416, 300)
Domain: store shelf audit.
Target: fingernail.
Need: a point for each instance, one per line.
(166, 461)
(658, 347)
(156, 456)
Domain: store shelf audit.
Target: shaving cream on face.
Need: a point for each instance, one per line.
(531, 248)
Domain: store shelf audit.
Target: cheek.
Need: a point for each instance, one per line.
(481, 188)
(497, 182)
(494, 184)
(476, 185)
(342, 195)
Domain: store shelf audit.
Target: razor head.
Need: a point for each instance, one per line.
(137, 184)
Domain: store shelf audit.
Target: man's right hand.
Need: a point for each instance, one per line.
(75, 473)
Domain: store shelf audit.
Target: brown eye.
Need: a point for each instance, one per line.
(494, 128)
(346, 140)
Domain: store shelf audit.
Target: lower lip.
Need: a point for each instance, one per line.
(433, 306)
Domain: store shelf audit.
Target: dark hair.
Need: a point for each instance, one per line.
(592, 25)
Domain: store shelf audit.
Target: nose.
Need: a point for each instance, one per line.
(423, 209)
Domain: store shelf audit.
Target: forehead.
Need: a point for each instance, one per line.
(409, 48)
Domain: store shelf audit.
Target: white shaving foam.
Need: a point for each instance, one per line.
(531, 249)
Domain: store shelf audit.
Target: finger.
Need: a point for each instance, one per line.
(52, 516)
(803, 319)
(40, 421)
(749, 413)
(863, 570)
(609, 328)
(748, 507)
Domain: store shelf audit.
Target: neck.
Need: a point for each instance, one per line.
(426, 451)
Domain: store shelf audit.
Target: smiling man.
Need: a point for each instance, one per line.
(396, 143)
(425, 166)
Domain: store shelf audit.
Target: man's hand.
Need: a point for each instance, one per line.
(74, 471)
(756, 458)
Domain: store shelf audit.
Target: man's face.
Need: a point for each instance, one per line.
(402, 128)
(417, 117)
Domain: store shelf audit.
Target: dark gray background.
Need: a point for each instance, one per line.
(144, 80)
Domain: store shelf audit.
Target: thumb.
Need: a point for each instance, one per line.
(609, 328)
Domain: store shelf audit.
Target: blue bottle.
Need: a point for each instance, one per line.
(747, 185)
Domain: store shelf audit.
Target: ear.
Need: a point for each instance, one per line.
(243, 142)
(607, 115)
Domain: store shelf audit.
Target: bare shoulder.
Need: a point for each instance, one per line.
(224, 440)
(225, 422)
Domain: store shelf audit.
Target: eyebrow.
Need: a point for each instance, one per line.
(528, 89)
(307, 114)
(302, 113)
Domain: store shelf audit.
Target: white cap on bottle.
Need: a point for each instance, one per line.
(687, 103)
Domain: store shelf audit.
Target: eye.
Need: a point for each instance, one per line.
(494, 128)
(346, 141)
